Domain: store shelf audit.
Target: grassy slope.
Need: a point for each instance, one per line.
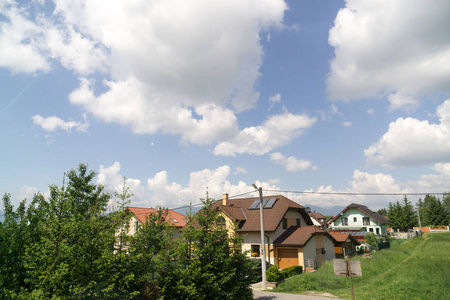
(416, 269)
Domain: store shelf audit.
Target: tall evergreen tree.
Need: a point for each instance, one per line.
(402, 216)
(434, 212)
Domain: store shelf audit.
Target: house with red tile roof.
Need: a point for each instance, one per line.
(139, 215)
(290, 236)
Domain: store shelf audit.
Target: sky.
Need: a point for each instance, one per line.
(183, 97)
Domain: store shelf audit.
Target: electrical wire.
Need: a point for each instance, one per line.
(357, 194)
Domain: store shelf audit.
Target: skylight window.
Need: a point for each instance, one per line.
(174, 220)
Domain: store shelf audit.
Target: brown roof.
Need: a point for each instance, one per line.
(140, 213)
(238, 210)
(341, 237)
(365, 210)
(317, 216)
(299, 236)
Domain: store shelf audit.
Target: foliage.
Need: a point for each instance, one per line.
(390, 274)
(291, 271)
(273, 274)
(433, 211)
(382, 211)
(66, 246)
(210, 262)
(402, 216)
(372, 240)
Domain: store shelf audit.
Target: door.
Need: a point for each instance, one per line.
(287, 258)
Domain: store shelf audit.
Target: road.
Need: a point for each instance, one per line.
(266, 295)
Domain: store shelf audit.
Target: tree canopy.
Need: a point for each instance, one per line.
(67, 246)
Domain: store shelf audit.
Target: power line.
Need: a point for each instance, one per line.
(358, 194)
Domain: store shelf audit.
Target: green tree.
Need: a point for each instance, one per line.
(213, 266)
(402, 216)
(433, 212)
(382, 211)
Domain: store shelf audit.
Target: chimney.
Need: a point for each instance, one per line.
(225, 200)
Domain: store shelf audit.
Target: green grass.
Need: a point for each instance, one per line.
(415, 269)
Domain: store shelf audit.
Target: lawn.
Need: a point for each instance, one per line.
(415, 269)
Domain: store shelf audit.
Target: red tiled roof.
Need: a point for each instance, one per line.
(140, 213)
(299, 236)
(238, 209)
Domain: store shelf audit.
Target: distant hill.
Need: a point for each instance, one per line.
(326, 211)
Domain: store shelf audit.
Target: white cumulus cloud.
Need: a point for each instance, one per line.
(276, 131)
(399, 49)
(412, 142)
(291, 163)
(54, 123)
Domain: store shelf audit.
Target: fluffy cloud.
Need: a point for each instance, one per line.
(276, 131)
(20, 49)
(182, 68)
(398, 49)
(161, 191)
(54, 123)
(411, 142)
(291, 163)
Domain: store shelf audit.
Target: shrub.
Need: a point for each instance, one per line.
(273, 274)
(291, 271)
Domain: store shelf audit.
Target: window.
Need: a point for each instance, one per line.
(309, 263)
(284, 223)
(366, 221)
(220, 221)
(136, 225)
(378, 230)
(255, 251)
(345, 221)
(174, 220)
(370, 229)
(355, 219)
(298, 222)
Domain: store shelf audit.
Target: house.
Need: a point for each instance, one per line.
(318, 219)
(139, 214)
(357, 217)
(290, 236)
(345, 243)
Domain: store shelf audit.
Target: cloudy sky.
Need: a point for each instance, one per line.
(187, 96)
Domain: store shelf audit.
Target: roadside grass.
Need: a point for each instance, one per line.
(415, 269)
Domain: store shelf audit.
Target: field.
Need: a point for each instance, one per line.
(415, 269)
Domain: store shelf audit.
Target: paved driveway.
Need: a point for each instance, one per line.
(263, 295)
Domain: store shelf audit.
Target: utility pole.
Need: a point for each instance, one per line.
(418, 213)
(263, 242)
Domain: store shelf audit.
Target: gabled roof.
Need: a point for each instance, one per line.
(173, 218)
(317, 216)
(365, 210)
(296, 236)
(238, 210)
(341, 237)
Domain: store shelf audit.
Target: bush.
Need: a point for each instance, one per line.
(273, 274)
(291, 271)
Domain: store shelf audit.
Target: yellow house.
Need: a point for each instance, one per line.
(284, 221)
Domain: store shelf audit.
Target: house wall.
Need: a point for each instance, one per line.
(355, 213)
(329, 248)
(309, 252)
(292, 216)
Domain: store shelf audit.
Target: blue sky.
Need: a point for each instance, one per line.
(183, 96)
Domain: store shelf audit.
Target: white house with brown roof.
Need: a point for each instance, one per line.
(291, 237)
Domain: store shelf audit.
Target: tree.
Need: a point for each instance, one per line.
(433, 212)
(213, 266)
(382, 211)
(402, 216)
